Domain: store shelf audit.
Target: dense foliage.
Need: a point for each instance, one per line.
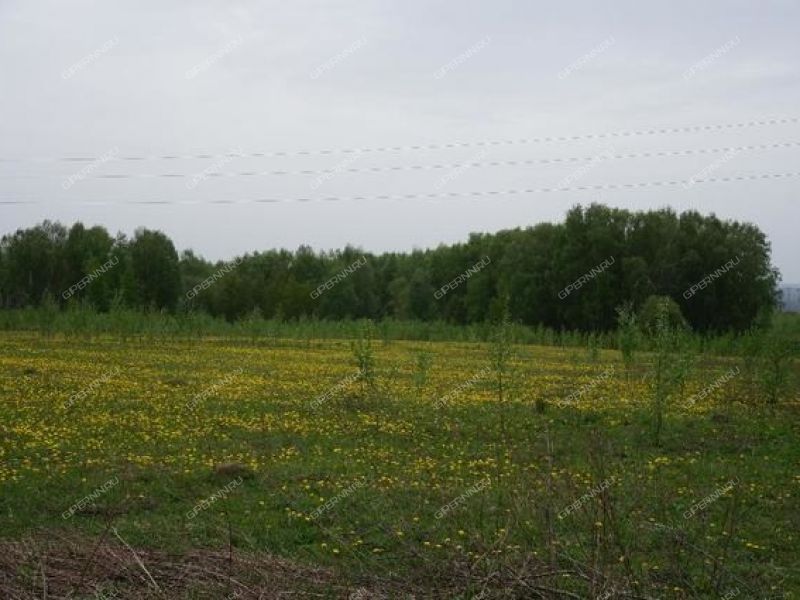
(571, 275)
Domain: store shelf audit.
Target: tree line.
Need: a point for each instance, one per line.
(569, 275)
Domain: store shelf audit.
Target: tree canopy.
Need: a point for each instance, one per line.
(570, 275)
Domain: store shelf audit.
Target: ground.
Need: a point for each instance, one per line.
(228, 453)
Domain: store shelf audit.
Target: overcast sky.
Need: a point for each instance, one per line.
(299, 81)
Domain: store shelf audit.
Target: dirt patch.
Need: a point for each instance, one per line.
(68, 566)
(61, 566)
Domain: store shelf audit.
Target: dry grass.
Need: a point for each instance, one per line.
(56, 566)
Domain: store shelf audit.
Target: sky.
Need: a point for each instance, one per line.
(240, 126)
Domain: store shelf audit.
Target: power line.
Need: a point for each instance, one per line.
(440, 146)
(442, 166)
(479, 193)
(439, 166)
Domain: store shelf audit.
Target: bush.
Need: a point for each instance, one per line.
(657, 309)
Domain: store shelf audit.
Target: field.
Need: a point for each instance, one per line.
(225, 468)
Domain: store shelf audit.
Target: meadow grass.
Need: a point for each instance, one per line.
(82, 322)
(434, 485)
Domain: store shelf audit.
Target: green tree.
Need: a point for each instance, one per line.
(155, 268)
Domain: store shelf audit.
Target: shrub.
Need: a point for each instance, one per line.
(658, 308)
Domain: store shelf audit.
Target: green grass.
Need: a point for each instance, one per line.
(414, 457)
